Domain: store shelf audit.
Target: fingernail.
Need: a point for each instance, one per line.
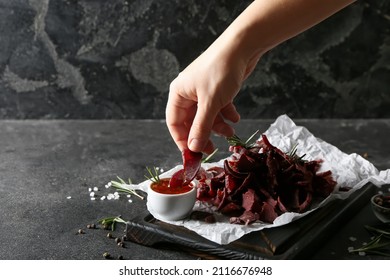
(196, 145)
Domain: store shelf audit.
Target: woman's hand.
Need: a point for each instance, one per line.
(201, 97)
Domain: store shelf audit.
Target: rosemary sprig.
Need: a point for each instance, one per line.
(123, 187)
(110, 222)
(154, 175)
(379, 231)
(293, 154)
(237, 141)
(380, 244)
(210, 156)
(375, 246)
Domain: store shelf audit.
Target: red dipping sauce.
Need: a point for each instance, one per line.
(163, 187)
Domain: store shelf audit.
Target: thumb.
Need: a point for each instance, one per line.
(198, 138)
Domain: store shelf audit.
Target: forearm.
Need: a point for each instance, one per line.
(267, 23)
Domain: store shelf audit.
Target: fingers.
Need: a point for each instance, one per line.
(221, 127)
(229, 112)
(179, 114)
(190, 123)
(208, 119)
(199, 136)
(192, 115)
(209, 148)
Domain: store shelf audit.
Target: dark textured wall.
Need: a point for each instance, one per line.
(115, 59)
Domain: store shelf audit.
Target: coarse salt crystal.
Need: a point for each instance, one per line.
(130, 201)
(93, 198)
(95, 189)
(89, 189)
(103, 197)
(350, 249)
(116, 193)
(352, 238)
(109, 184)
(68, 197)
(91, 194)
(362, 253)
(129, 195)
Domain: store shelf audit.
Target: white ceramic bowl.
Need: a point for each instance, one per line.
(171, 207)
(381, 212)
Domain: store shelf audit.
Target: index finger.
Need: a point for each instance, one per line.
(179, 114)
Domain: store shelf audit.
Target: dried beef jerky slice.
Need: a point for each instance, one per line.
(191, 165)
(177, 179)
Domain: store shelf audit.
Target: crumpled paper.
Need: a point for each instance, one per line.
(349, 170)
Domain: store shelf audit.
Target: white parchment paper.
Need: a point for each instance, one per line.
(349, 170)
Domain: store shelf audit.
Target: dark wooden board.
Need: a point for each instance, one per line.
(296, 240)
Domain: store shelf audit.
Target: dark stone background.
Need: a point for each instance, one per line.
(115, 59)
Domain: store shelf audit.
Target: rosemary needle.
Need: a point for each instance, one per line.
(210, 156)
(153, 175)
(110, 222)
(375, 246)
(123, 187)
(237, 141)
